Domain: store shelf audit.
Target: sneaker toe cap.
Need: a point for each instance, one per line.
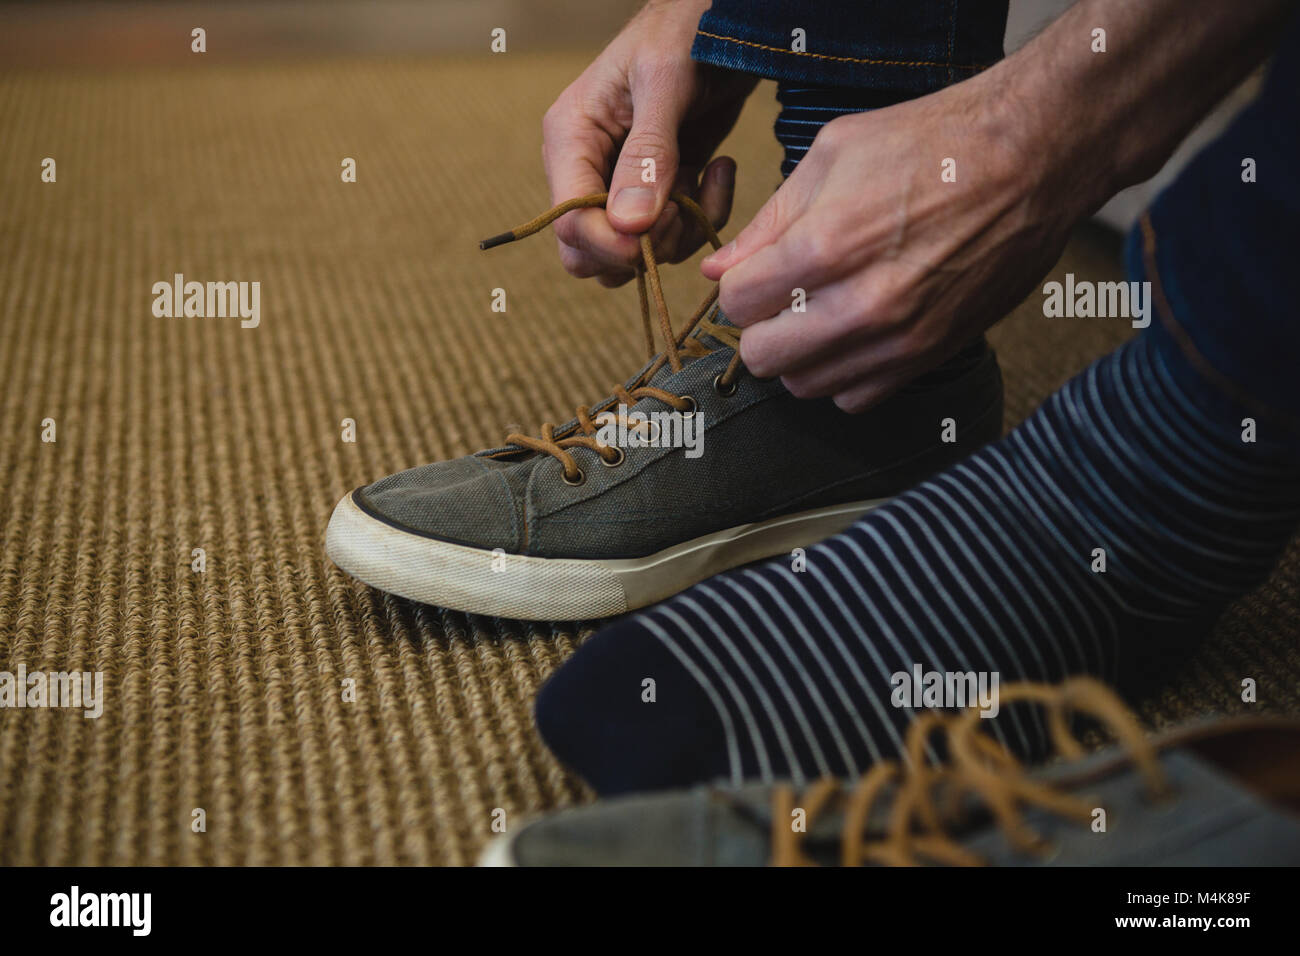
(464, 501)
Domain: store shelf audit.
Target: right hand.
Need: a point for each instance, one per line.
(642, 98)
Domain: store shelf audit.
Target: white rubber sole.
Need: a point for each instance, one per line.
(500, 851)
(496, 584)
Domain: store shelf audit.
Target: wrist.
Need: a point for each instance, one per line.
(1026, 157)
(1062, 144)
(1094, 105)
(670, 25)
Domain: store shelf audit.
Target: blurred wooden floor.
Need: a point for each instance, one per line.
(135, 33)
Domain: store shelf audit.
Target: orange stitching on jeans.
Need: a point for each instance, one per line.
(841, 59)
(1184, 340)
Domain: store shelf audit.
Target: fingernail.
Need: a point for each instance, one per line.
(721, 254)
(724, 174)
(633, 202)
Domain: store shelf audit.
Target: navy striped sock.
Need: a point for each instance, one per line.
(806, 109)
(992, 567)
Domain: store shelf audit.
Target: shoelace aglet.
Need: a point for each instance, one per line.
(498, 240)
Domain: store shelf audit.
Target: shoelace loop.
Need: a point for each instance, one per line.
(676, 345)
(979, 767)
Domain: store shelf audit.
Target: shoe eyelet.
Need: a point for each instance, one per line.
(616, 462)
(726, 391)
(653, 438)
(690, 411)
(581, 479)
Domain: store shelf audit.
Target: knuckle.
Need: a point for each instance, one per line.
(769, 215)
(814, 249)
(554, 116)
(657, 70)
(567, 231)
(830, 136)
(612, 280)
(643, 144)
(576, 263)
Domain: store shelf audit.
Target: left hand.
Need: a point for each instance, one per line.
(900, 269)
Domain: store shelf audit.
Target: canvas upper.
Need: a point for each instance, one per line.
(764, 454)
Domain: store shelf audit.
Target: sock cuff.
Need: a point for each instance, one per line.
(806, 108)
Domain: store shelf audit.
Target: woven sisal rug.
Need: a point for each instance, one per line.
(225, 689)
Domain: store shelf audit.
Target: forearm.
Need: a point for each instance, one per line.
(1104, 121)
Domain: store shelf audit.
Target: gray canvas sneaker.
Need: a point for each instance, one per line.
(1214, 793)
(691, 467)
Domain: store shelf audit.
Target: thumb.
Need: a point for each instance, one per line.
(646, 168)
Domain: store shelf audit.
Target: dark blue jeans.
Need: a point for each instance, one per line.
(903, 46)
(1220, 252)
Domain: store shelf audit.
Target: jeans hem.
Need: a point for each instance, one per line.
(823, 69)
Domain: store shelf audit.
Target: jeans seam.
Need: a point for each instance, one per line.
(845, 59)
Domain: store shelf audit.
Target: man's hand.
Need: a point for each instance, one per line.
(898, 268)
(642, 99)
(901, 268)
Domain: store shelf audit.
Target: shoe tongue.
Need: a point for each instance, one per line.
(708, 341)
(665, 372)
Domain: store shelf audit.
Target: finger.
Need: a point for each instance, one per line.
(612, 280)
(770, 223)
(718, 191)
(768, 281)
(580, 265)
(859, 398)
(583, 265)
(583, 257)
(647, 163)
(715, 194)
(790, 341)
(576, 154)
(820, 323)
(866, 372)
(851, 369)
(666, 233)
(589, 232)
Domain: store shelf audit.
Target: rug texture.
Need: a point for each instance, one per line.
(310, 719)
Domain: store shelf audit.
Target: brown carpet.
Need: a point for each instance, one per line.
(224, 688)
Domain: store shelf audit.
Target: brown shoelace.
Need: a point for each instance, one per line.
(979, 767)
(676, 345)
